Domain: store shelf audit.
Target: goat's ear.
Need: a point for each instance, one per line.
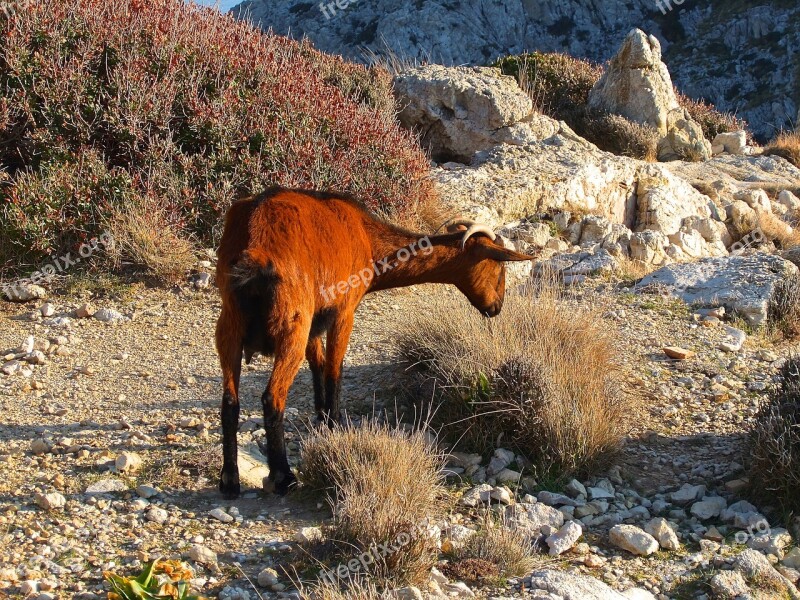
(501, 254)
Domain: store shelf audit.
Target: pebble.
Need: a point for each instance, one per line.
(50, 501)
(157, 515)
(632, 539)
(220, 515)
(202, 555)
(128, 462)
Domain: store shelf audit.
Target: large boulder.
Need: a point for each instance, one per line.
(663, 201)
(743, 283)
(637, 85)
(461, 110)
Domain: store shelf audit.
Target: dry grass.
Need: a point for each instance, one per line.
(616, 134)
(777, 230)
(631, 270)
(542, 377)
(382, 483)
(786, 145)
(775, 444)
(357, 589)
(784, 307)
(145, 236)
(510, 551)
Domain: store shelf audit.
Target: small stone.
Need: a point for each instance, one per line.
(679, 353)
(83, 311)
(128, 462)
(632, 539)
(477, 495)
(107, 315)
(508, 476)
(564, 539)
(50, 501)
(575, 488)
(220, 515)
(736, 485)
(39, 446)
(309, 535)
(502, 495)
(29, 586)
(663, 533)
(202, 555)
(107, 485)
(709, 507)
(267, 577)
(687, 493)
(729, 584)
(714, 535)
(146, 491)
(792, 559)
(157, 515)
(47, 309)
(36, 357)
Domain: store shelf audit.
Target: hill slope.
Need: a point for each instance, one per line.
(741, 55)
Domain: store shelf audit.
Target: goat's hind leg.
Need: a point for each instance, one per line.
(229, 348)
(315, 355)
(288, 358)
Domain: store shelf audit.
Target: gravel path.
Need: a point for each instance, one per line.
(149, 384)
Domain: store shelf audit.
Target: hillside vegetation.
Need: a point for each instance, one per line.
(159, 114)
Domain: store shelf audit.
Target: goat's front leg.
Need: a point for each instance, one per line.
(229, 347)
(336, 347)
(288, 358)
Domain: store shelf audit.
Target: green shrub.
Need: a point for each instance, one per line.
(104, 103)
(542, 377)
(774, 458)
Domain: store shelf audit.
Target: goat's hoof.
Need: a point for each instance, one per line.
(281, 485)
(229, 485)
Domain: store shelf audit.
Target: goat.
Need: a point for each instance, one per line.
(294, 265)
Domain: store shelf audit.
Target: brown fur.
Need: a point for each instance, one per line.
(280, 254)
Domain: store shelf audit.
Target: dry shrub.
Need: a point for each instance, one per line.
(542, 376)
(786, 145)
(145, 236)
(775, 443)
(712, 120)
(102, 101)
(777, 230)
(620, 136)
(382, 483)
(510, 551)
(784, 307)
(354, 589)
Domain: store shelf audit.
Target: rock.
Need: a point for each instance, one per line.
(50, 501)
(458, 589)
(742, 283)
(407, 593)
(789, 200)
(755, 568)
(665, 202)
(599, 493)
(575, 488)
(679, 353)
(554, 499)
(636, 84)
(568, 586)
(732, 142)
(663, 533)
(203, 555)
(632, 539)
(268, 577)
(709, 507)
(157, 515)
(638, 594)
(36, 357)
(736, 339)
(47, 309)
(502, 495)
(108, 315)
(11, 367)
(105, 486)
(535, 234)
(649, 247)
(508, 476)
(29, 586)
(478, 494)
(565, 538)
(531, 518)
(22, 292)
(687, 494)
(220, 515)
(201, 280)
(462, 110)
(684, 139)
(729, 584)
(309, 535)
(792, 559)
(128, 462)
(84, 311)
(146, 491)
(772, 542)
(40, 446)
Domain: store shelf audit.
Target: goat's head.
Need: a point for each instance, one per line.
(483, 279)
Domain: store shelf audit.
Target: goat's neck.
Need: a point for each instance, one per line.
(402, 259)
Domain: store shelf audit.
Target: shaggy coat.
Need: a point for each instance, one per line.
(293, 266)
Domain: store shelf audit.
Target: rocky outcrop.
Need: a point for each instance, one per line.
(638, 86)
(705, 45)
(462, 110)
(741, 283)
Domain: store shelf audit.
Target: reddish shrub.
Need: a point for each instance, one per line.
(102, 102)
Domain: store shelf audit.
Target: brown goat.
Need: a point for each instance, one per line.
(294, 265)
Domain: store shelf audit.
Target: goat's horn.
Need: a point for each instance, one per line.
(454, 223)
(474, 229)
